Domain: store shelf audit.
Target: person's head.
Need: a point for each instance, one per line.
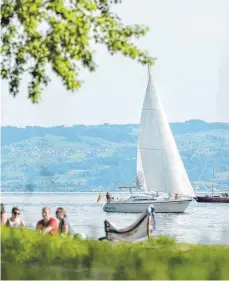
(151, 209)
(46, 213)
(2, 209)
(61, 213)
(16, 212)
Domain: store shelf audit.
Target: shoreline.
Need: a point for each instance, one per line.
(86, 192)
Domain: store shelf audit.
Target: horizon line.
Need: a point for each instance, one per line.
(110, 124)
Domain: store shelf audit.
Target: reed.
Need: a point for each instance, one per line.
(27, 255)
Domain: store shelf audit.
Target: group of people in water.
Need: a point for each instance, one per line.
(47, 224)
(108, 197)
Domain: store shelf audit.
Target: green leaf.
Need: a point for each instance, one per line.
(69, 31)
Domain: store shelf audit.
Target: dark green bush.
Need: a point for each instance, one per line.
(28, 255)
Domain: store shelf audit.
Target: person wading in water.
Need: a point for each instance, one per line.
(47, 224)
(14, 221)
(3, 215)
(64, 225)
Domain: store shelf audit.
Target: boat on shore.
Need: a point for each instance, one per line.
(160, 170)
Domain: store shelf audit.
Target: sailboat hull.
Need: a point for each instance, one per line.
(161, 206)
(212, 199)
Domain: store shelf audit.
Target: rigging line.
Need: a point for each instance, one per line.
(224, 160)
(203, 168)
(195, 151)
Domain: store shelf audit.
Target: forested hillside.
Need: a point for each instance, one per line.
(85, 158)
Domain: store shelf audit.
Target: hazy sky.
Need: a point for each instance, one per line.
(190, 39)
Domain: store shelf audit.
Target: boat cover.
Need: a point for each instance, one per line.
(141, 228)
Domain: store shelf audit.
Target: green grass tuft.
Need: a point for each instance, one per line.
(28, 255)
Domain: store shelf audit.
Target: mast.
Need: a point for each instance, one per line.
(213, 166)
(213, 172)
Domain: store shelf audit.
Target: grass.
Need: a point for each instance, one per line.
(29, 255)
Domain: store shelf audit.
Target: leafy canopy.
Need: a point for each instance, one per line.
(60, 33)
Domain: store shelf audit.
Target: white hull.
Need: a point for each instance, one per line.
(161, 206)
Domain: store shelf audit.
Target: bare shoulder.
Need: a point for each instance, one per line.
(4, 215)
(4, 219)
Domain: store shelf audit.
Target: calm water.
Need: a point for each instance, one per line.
(201, 223)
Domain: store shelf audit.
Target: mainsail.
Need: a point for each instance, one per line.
(140, 179)
(158, 159)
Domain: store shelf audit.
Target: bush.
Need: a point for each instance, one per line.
(29, 255)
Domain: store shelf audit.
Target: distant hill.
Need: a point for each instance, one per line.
(85, 158)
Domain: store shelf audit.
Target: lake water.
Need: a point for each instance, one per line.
(201, 222)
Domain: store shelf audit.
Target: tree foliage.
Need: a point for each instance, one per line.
(62, 34)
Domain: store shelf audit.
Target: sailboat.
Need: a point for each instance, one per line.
(160, 170)
(222, 197)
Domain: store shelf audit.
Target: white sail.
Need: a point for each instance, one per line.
(140, 179)
(162, 166)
